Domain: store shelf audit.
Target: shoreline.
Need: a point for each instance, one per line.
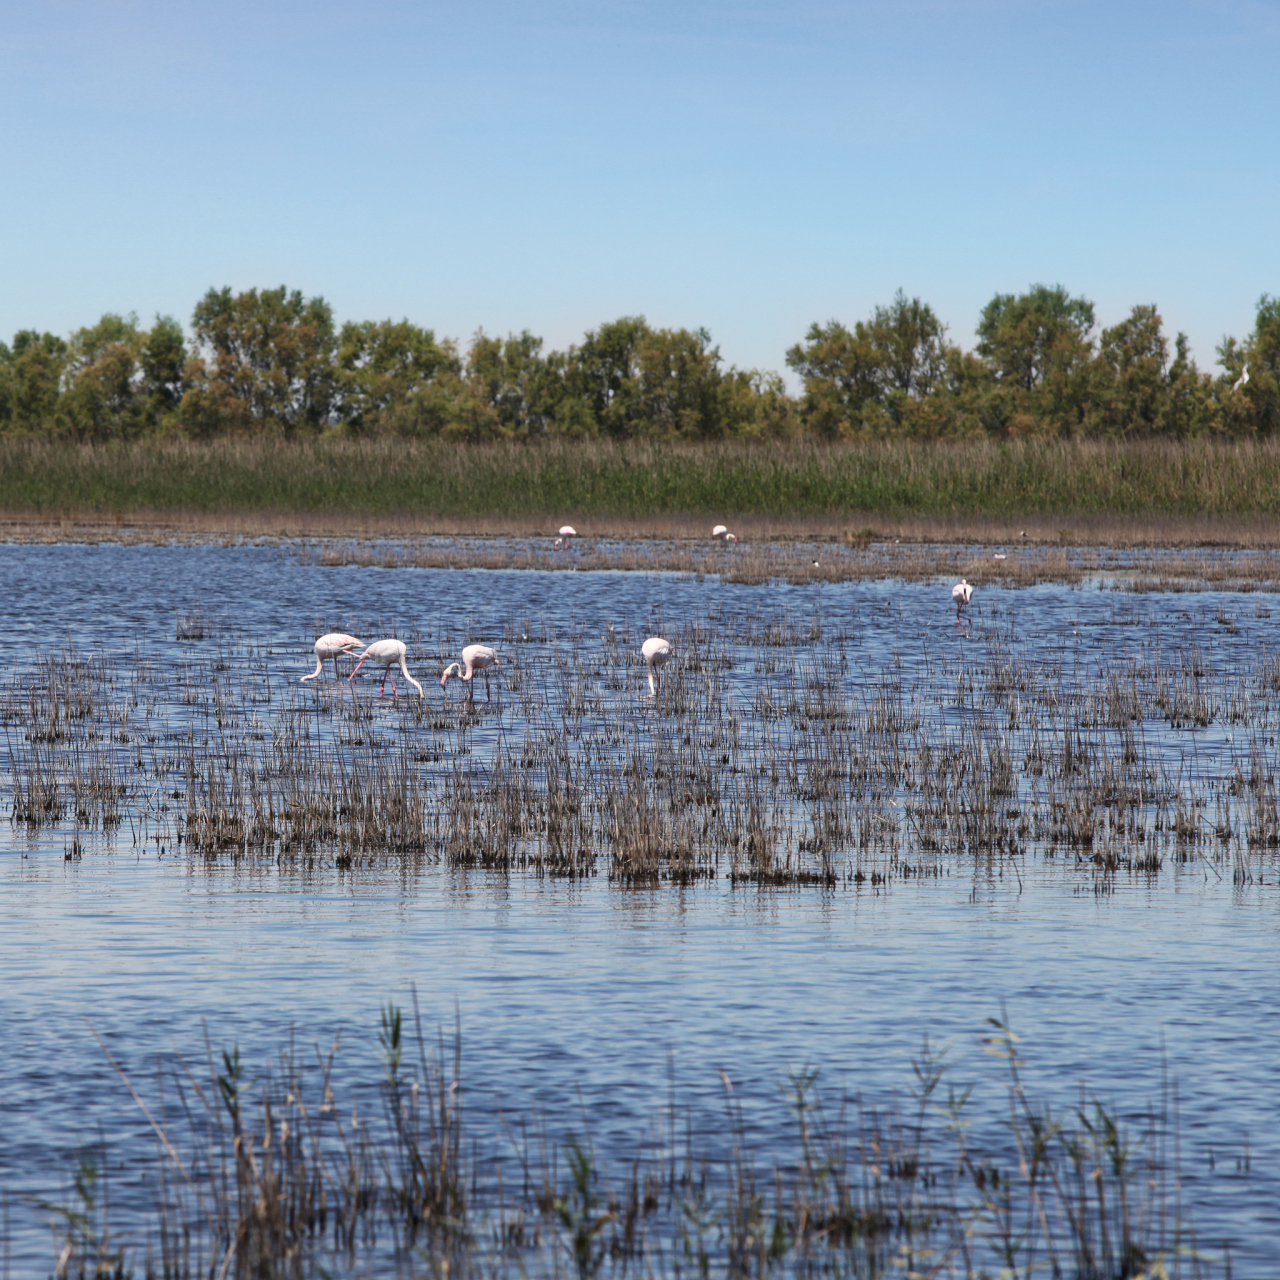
(159, 528)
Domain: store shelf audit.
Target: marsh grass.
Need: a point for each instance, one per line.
(772, 757)
(1070, 490)
(299, 1169)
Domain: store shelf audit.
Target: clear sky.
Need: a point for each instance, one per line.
(750, 167)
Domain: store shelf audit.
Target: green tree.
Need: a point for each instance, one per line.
(513, 376)
(1253, 406)
(876, 376)
(119, 380)
(450, 406)
(102, 397)
(163, 359)
(1038, 346)
(603, 375)
(1130, 393)
(386, 372)
(840, 370)
(30, 381)
(627, 379)
(266, 362)
(679, 384)
(755, 404)
(1193, 402)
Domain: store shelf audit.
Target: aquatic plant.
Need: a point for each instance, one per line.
(292, 1172)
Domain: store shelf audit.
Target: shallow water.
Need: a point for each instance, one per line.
(561, 987)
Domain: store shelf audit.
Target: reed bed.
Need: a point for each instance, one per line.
(775, 754)
(296, 1171)
(342, 478)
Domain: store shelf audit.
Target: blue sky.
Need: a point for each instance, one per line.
(750, 167)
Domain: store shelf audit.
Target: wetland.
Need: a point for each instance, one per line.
(575, 980)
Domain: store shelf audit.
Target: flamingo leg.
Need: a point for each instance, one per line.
(359, 664)
(487, 696)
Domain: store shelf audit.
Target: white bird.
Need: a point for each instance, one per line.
(1001, 556)
(1243, 378)
(721, 534)
(476, 657)
(961, 593)
(330, 646)
(386, 653)
(655, 651)
(567, 531)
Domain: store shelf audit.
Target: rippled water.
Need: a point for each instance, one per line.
(561, 987)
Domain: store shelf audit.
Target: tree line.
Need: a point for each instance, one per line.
(275, 363)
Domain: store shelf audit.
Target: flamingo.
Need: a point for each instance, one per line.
(477, 657)
(655, 652)
(567, 531)
(1243, 378)
(961, 593)
(721, 534)
(329, 646)
(386, 653)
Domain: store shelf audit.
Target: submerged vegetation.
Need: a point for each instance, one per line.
(293, 1173)
(276, 364)
(775, 754)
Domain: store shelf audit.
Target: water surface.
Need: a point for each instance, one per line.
(568, 990)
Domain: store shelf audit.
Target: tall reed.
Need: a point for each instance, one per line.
(598, 478)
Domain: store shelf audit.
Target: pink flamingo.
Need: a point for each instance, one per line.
(655, 651)
(567, 532)
(961, 593)
(477, 657)
(330, 646)
(386, 653)
(721, 534)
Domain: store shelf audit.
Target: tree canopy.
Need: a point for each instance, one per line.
(273, 362)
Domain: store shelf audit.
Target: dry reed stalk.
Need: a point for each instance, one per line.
(301, 1171)
(770, 758)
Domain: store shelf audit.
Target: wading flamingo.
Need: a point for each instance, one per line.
(386, 653)
(961, 593)
(476, 657)
(330, 646)
(567, 532)
(721, 534)
(655, 651)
